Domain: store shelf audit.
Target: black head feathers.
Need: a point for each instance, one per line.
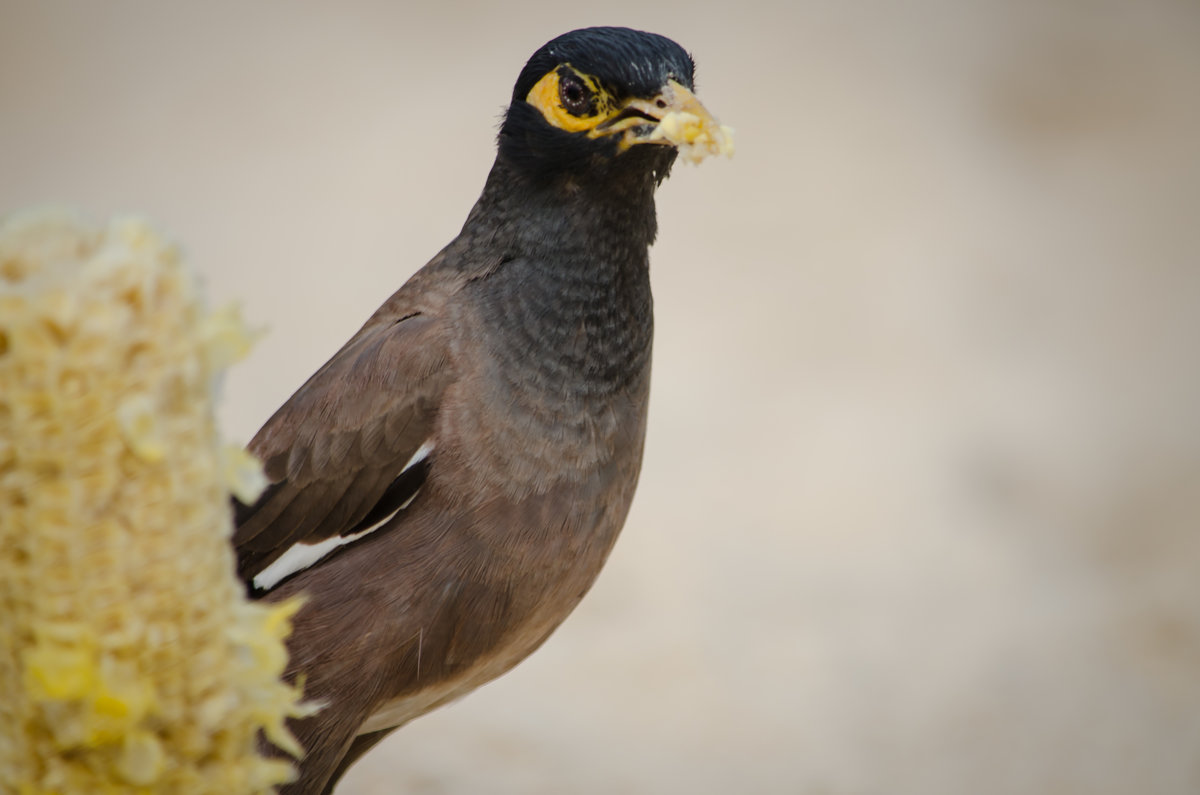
(630, 62)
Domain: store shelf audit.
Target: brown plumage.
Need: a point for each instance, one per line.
(473, 450)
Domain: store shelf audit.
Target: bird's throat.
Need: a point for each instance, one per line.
(574, 291)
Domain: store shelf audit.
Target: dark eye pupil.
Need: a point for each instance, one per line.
(574, 97)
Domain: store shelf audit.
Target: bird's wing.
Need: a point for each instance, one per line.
(348, 450)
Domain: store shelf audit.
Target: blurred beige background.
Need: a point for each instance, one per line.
(921, 505)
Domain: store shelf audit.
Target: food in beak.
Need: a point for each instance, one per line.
(696, 137)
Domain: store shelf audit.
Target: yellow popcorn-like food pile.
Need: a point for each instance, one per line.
(130, 659)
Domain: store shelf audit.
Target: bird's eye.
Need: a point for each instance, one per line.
(574, 96)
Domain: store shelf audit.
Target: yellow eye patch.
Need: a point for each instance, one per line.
(547, 96)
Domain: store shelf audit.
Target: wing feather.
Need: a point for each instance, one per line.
(335, 449)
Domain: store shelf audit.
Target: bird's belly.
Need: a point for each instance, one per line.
(400, 710)
(480, 627)
(521, 635)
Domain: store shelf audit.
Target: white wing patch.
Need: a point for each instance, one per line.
(422, 453)
(301, 555)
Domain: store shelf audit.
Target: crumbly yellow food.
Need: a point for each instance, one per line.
(695, 137)
(130, 660)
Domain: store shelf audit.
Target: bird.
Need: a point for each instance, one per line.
(446, 488)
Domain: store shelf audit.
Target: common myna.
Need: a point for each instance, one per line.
(446, 488)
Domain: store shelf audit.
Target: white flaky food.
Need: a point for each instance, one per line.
(696, 138)
(130, 659)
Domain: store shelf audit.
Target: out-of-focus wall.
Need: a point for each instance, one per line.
(921, 505)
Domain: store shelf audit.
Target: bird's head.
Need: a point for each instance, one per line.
(598, 97)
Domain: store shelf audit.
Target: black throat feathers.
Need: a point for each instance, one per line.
(573, 291)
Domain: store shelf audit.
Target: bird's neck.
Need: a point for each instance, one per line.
(575, 289)
(611, 201)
